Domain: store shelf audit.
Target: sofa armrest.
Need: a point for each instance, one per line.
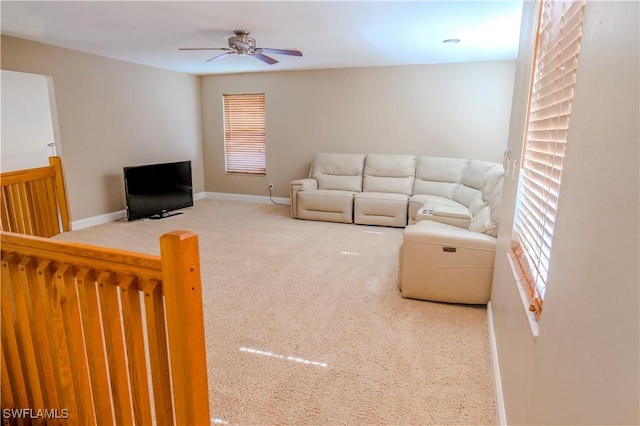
(451, 211)
(305, 184)
(444, 214)
(449, 235)
(295, 186)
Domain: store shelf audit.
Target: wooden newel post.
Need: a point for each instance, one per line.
(61, 193)
(182, 287)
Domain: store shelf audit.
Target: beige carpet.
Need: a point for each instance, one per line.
(305, 324)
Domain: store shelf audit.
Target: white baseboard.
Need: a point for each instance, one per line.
(501, 415)
(122, 214)
(250, 198)
(98, 220)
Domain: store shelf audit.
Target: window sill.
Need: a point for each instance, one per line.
(245, 174)
(531, 316)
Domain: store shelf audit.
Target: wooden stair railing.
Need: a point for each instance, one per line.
(34, 201)
(97, 336)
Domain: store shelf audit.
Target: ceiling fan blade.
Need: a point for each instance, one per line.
(265, 58)
(290, 52)
(219, 56)
(204, 48)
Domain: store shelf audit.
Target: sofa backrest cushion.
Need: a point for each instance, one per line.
(389, 173)
(493, 177)
(475, 173)
(338, 171)
(488, 218)
(438, 175)
(495, 203)
(474, 177)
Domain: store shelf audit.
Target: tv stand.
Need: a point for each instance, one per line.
(164, 215)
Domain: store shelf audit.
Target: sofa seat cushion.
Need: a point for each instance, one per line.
(326, 204)
(380, 208)
(429, 202)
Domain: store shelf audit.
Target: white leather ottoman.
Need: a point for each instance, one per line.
(444, 263)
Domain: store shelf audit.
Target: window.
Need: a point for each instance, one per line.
(245, 133)
(551, 94)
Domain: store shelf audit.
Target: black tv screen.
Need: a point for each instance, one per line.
(154, 190)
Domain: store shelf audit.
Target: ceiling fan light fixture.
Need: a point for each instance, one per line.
(243, 45)
(451, 41)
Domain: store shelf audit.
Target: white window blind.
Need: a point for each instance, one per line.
(556, 62)
(245, 133)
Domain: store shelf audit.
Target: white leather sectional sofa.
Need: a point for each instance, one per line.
(397, 190)
(448, 206)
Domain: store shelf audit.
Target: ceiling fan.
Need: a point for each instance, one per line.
(244, 45)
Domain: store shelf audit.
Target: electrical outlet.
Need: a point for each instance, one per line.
(270, 187)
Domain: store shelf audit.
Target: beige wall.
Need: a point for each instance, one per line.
(112, 114)
(583, 368)
(456, 110)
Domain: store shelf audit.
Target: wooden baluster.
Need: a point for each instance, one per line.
(90, 309)
(115, 348)
(134, 336)
(158, 352)
(37, 313)
(67, 291)
(12, 366)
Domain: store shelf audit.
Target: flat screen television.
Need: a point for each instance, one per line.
(155, 190)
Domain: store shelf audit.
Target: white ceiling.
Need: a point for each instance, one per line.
(331, 34)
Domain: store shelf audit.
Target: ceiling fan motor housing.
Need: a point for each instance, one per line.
(242, 36)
